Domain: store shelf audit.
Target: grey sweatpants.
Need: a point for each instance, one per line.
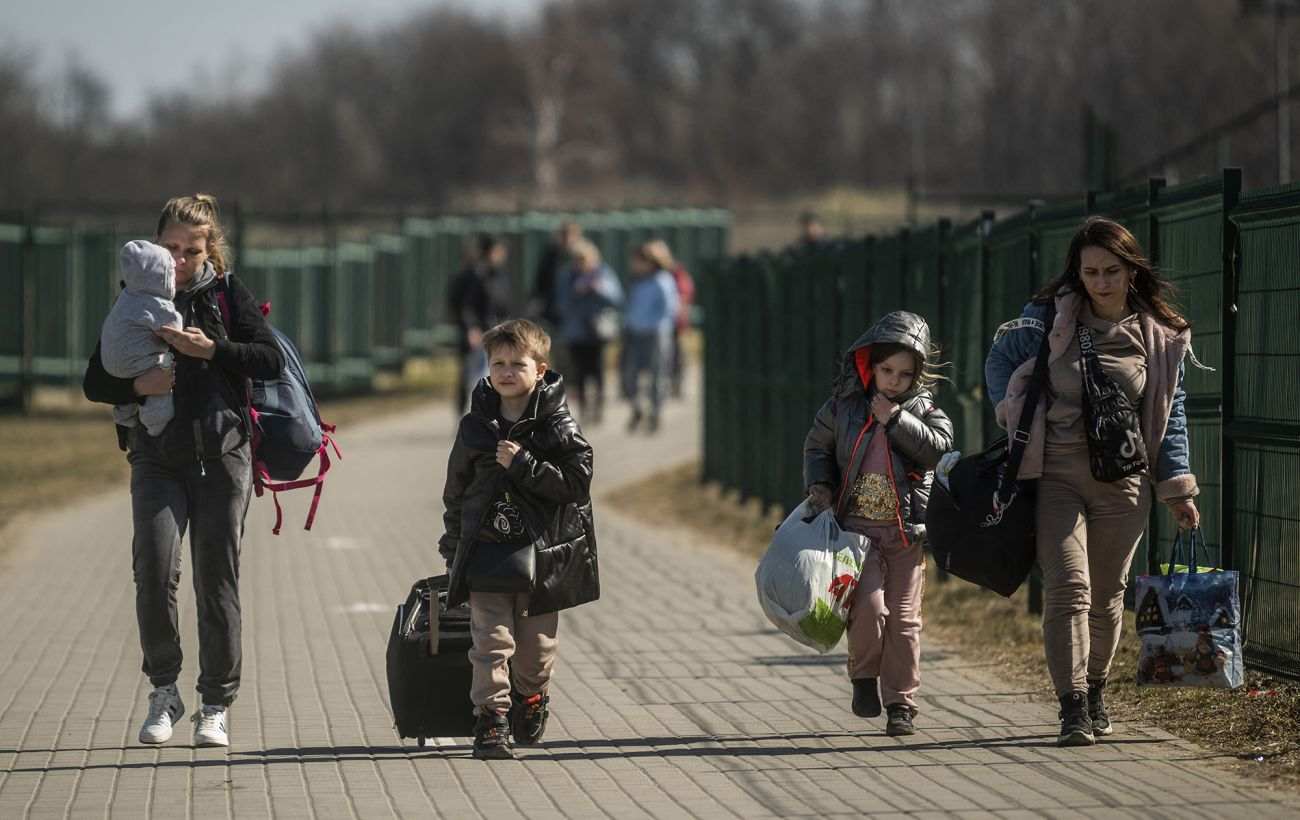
(1087, 532)
(209, 501)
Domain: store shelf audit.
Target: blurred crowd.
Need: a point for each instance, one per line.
(597, 320)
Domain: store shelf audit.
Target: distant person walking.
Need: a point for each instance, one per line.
(551, 267)
(196, 473)
(686, 297)
(586, 300)
(1113, 322)
(481, 295)
(811, 231)
(648, 336)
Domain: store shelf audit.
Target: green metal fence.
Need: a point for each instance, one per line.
(769, 356)
(357, 300)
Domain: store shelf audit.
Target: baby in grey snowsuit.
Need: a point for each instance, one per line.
(129, 345)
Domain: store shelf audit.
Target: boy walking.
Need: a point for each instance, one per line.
(520, 542)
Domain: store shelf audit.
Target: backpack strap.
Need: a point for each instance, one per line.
(263, 479)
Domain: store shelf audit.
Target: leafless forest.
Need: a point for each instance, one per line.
(623, 102)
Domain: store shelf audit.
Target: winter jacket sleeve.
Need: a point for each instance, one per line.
(1174, 479)
(923, 438)
(251, 349)
(564, 477)
(819, 464)
(460, 471)
(1015, 343)
(103, 388)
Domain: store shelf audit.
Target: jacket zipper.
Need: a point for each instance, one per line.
(844, 484)
(889, 461)
(898, 501)
(482, 517)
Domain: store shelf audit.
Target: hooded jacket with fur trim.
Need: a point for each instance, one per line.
(918, 435)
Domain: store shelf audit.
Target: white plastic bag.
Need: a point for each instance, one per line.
(807, 577)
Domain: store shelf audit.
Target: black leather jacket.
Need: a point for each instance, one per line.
(210, 399)
(552, 473)
(919, 434)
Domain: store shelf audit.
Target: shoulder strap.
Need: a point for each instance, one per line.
(223, 302)
(1020, 436)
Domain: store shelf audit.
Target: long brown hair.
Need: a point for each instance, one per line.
(199, 211)
(1097, 231)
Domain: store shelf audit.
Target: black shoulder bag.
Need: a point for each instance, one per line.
(981, 526)
(508, 561)
(1116, 448)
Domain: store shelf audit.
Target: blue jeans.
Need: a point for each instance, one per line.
(646, 353)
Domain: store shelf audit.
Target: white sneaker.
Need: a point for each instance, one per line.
(165, 708)
(210, 726)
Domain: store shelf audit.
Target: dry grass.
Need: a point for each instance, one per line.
(1255, 729)
(68, 448)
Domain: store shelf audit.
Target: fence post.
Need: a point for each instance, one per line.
(27, 366)
(1228, 388)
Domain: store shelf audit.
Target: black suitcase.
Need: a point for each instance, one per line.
(428, 670)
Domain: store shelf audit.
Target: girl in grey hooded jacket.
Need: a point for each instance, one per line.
(870, 454)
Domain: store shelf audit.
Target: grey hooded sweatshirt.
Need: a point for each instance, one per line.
(128, 343)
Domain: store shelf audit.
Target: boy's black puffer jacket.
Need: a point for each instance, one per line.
(209, 397)
(919, 434)
(552, 471)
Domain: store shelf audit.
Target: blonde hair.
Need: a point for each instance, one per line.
(522, 335)
(199, 211)
(583, 250)
(656, 251)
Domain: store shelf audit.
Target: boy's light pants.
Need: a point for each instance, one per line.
(1087, 532)
(506, 641)
(884, 625)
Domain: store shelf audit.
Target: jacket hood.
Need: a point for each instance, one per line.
(547, 400)
(898, 327)
(148, 268)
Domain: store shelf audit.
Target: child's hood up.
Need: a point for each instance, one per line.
(898, 327)
(148, 268)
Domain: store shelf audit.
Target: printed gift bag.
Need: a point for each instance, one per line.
(1189, 624)
(808, 575)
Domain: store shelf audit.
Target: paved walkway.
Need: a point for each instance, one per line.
(673, 696)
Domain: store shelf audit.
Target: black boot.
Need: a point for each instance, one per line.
(1076, 728)
(492, 736)
(528, 718)
(900, 721)
(1097, 710)
(866, 698)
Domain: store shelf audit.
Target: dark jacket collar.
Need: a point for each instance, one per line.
(547, 400)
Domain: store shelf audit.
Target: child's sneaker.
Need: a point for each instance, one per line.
(210, 726)
(528, 718)
(492, 736)
(866, 698)
(165, 708)
(900, 721)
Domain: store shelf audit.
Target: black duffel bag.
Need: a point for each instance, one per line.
(978, 533)
(981, 527)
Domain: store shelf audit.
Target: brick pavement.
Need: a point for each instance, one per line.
(673, 696)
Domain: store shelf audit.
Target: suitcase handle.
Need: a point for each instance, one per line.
(433, 616)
